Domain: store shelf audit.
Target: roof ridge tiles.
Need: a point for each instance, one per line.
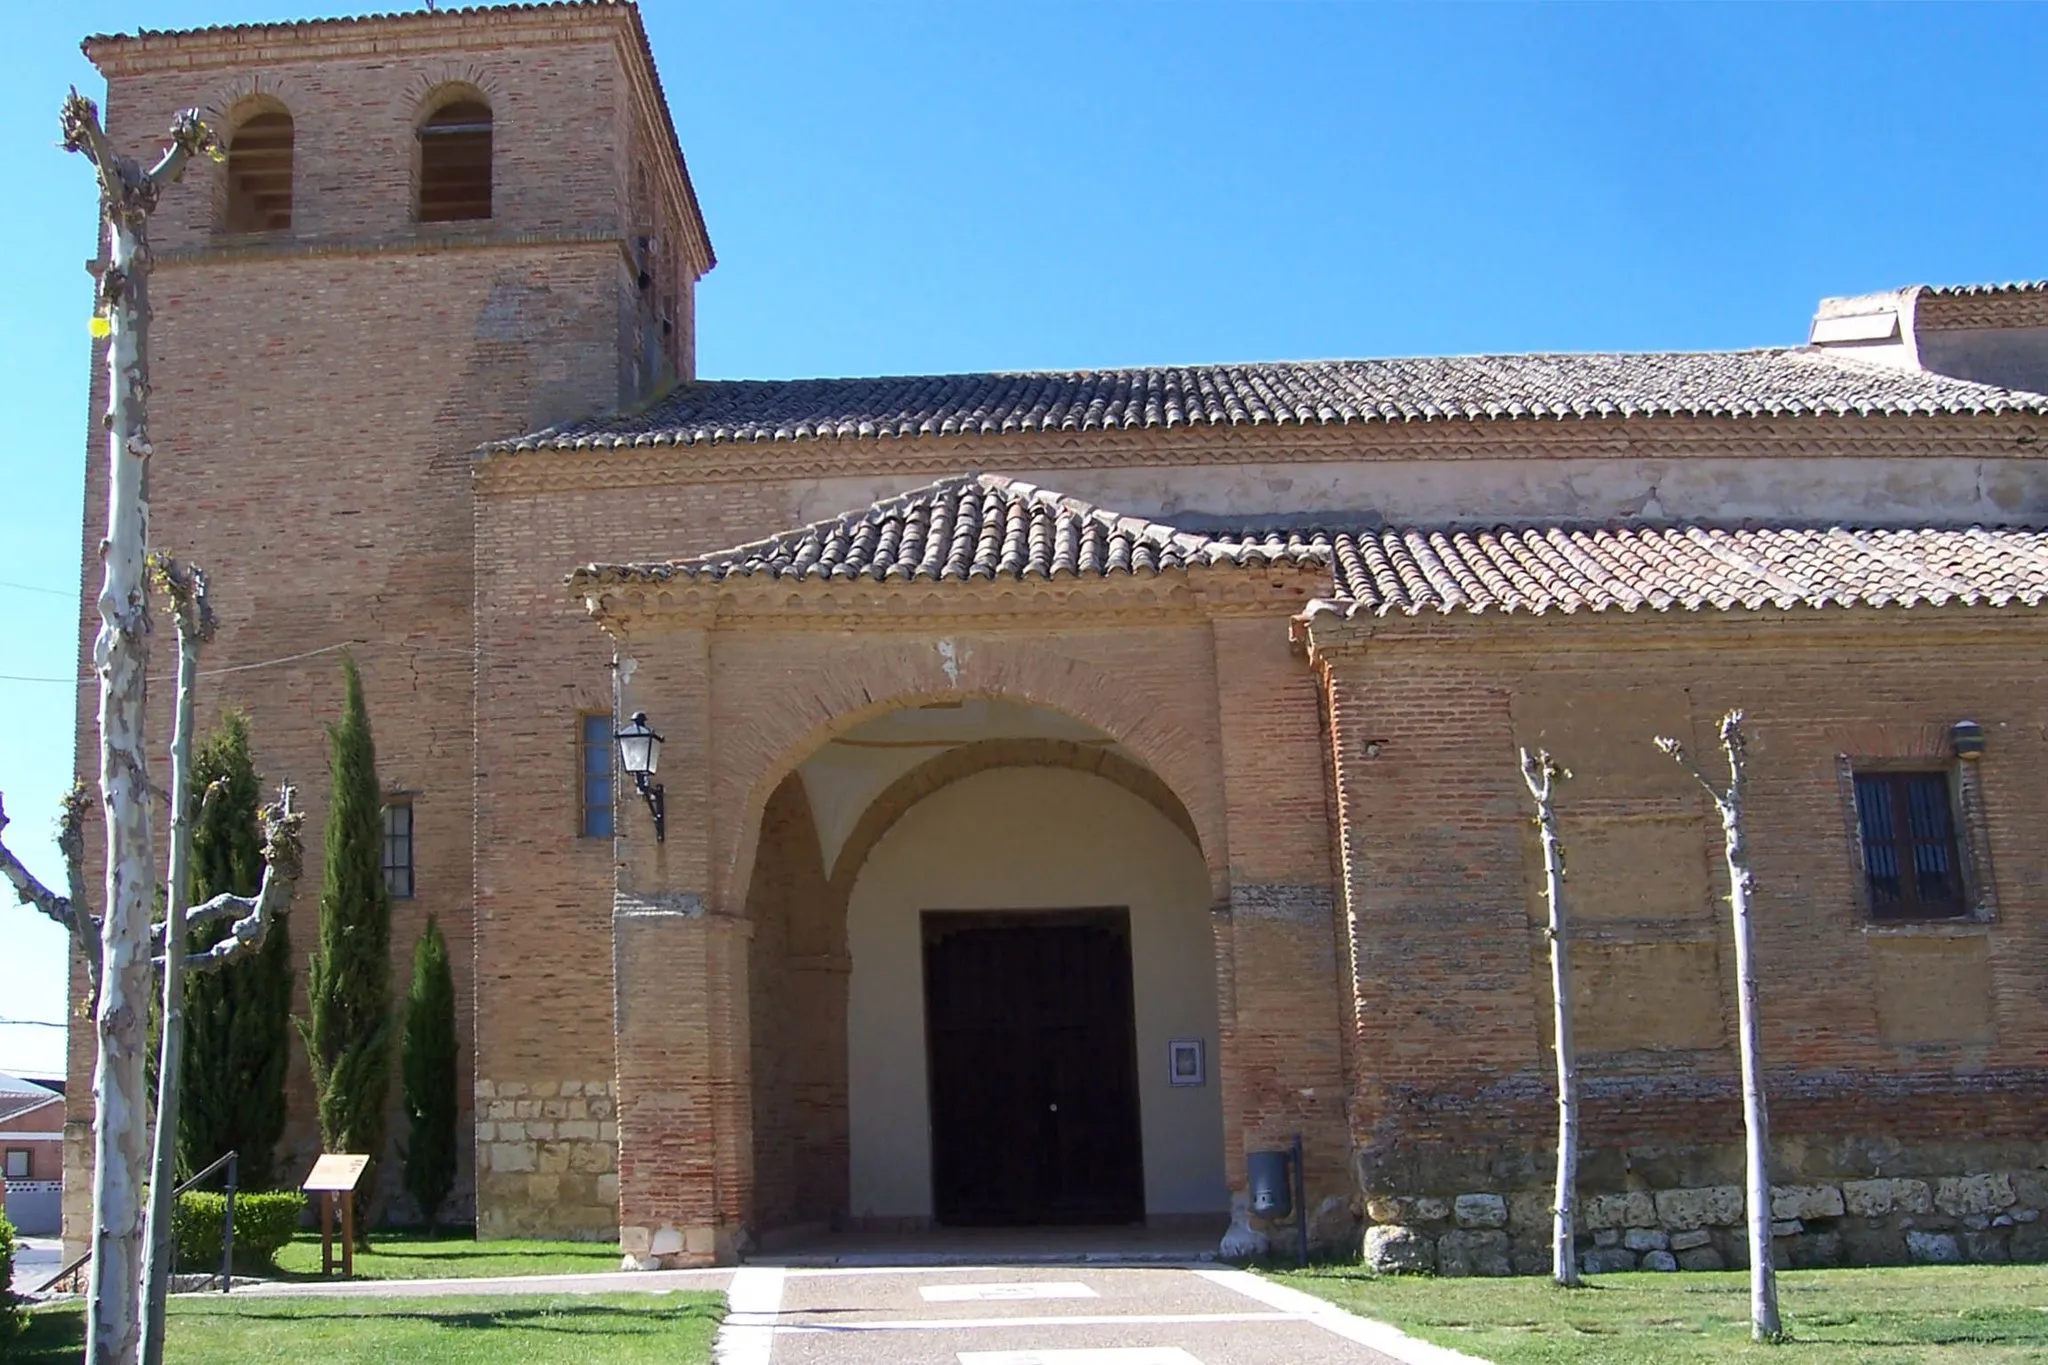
(1781, 381)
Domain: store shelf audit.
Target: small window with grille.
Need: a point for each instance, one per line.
(455, 162)
(21, 1163)
(1912, 861)
(398, 849)
(595, 768)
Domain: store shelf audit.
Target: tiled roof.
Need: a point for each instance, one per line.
(987, 526)
(1689, 568)
(975, 526)
(1784, 382)
(1967, 290)
(21, 1102)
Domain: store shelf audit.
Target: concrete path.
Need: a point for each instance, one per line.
(1008, 1314)
(1044, 1315)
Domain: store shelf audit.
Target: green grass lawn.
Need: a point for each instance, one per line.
(1985, 1315)
(675, 1329)
(417, 1256)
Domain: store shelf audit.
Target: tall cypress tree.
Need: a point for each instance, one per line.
(429, 1064)
(348, 981)
(236, 1019)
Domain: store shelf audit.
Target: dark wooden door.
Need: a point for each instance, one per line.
(1034, 1087)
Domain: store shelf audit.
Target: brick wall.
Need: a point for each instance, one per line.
(1451, 1082)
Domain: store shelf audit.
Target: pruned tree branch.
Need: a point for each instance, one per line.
(281, 868)
(124, 184)
(31, 889)
(73, 911)
(1732, 744)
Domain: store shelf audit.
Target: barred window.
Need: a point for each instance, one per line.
(1911, 860)
(455, 162)
(398, 849)
(259, 158)
(21, 1163)
(594, 746)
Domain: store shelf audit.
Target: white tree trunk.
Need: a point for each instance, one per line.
(189, 598)
(1542, 774)
(121, 655)
(1764, 1321)
(1763, 1276)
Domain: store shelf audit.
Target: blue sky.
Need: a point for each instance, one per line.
(917, 187)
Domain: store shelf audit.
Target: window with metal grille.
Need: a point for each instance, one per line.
(1911, 861)
(20, 1163)
(260, 173)
(595, 766)
(398, 849)
(455, 162)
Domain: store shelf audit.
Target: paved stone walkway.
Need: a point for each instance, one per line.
(1007, 1314)
(1046, 1315)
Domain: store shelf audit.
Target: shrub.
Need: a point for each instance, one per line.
(431, 1079)
(264, 1223)
(10, 1310)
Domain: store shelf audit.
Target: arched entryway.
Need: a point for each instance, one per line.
(981, 939)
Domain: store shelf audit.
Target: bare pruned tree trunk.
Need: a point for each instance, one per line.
(1542, 774)
(128, 193)
(1765, 1324)
(194, 616)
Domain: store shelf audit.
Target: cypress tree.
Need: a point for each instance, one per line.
(348, 981)
(429, 1066)
(236, 1019)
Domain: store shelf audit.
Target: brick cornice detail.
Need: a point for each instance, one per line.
(382, 35)
(1326, 636)
(237, 250)
(1990, 437)
(1181, 595)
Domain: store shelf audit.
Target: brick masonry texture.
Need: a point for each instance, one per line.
(656, 1031)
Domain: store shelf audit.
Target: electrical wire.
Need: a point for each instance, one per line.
(92, 679)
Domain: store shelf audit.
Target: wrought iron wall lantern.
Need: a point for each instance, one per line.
(640, 755)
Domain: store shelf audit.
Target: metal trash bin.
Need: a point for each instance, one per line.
(1272, 1188)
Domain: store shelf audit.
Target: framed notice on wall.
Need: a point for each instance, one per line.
(1184, 1062)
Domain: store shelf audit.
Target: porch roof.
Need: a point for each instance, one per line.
(991, 527)
(972, 526)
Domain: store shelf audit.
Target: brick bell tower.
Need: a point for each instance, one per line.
(431, 230)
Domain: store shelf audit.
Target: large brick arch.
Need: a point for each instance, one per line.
(774, 704)
(895, 800)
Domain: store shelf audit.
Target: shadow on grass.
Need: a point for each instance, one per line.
(578, 1318)
(54, 1336)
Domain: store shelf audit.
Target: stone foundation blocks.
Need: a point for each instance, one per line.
(1464, 1252)
(1876, 1198)
(1481, 1211)
(1716, 1206)
(1967, 1194)
(1392, 1249)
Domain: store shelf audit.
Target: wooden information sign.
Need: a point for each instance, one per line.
(336, 1173)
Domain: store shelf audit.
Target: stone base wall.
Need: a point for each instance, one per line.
(547, 1159)
(1990, 1216)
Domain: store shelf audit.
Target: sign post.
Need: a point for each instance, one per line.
(335, 1174)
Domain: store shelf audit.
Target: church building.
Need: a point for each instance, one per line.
(1073, 785)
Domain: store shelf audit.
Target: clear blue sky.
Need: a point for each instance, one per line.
(914, 187)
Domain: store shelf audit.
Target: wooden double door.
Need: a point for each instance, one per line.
(1031, 1048)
